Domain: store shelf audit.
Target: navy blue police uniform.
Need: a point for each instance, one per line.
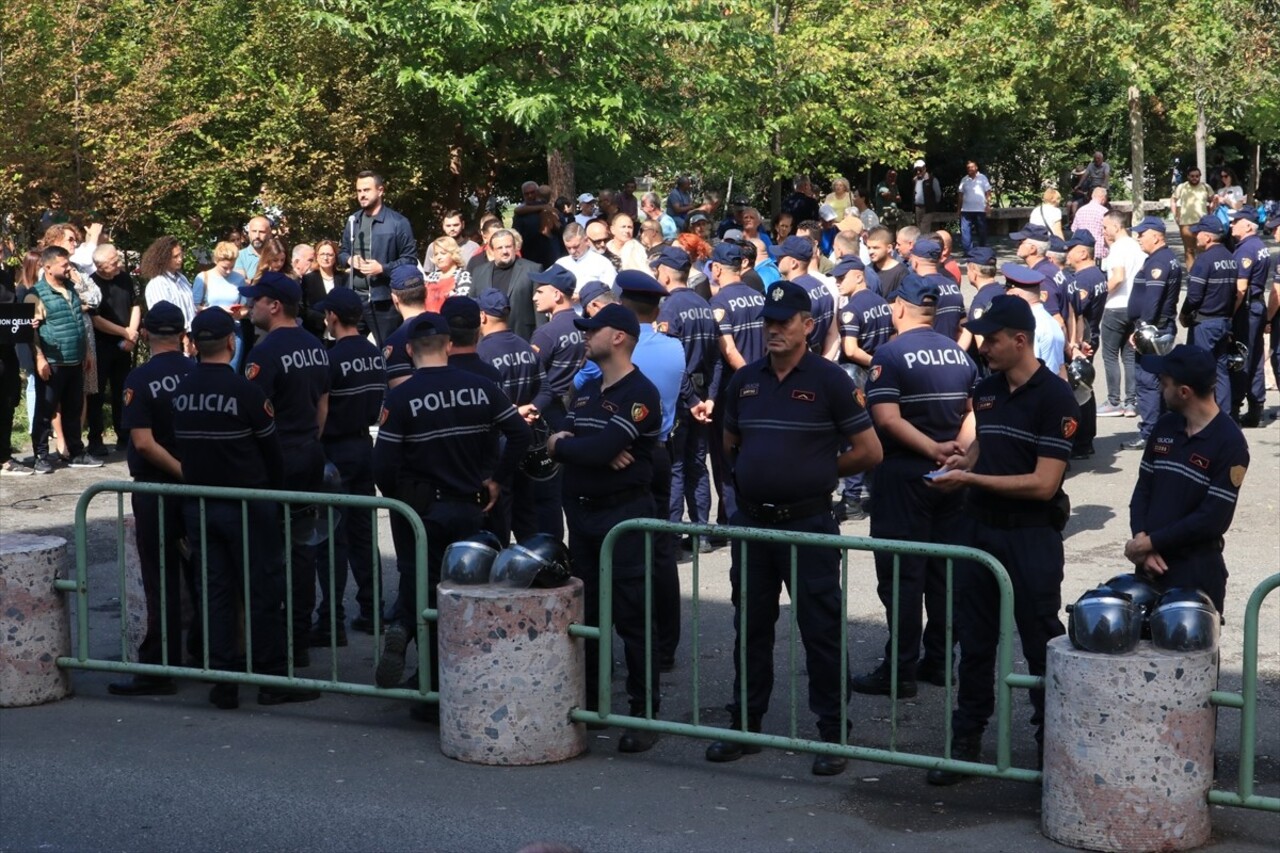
(822, 304)
(1154, 300)
(435, 444)
(606, 421)
(1188, 485)
(1271, 225)
(797, 425)
(1086, 292)
(226, 434)
(357, 384)
(1248, 323)
(737, 311)
(291, 366)
(394, 346)
(1015, 428)
(1210, 303)
(929, 378)
(522, 377)
(949, 310)
(147, 400)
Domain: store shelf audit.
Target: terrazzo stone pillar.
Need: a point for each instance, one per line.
(1128, 750)
(34, 627)
(135, 595)
(510, 674)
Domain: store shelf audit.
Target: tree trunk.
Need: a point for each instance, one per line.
(1202, 134)
(560, 172)
(1136, 152)
(1257, 175)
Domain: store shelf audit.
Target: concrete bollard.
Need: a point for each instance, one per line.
(135, 595)
(1128, 752)
(510, 674)
(34, 627)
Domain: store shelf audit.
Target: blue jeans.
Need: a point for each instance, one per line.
(969, 222)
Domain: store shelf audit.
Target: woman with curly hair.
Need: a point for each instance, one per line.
(448, 277)
(161, 269)
(698, 251)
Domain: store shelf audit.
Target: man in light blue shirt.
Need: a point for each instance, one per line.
(1050, 343)
(259, 230)
(649, 207)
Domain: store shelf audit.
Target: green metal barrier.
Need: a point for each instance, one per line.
(1006, 679)
(1247, 701)
(83, 659)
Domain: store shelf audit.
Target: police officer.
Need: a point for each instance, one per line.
(793, 256)
(1189, 479)
(292, 368)
(1252, 270)
(1211, 300)
(409, 296)
(1273, 300)
(1050, 342)
(357, 384)
(1153, 300)
(225, 430)
(1034, 243)
(918, 392)
(948, 313)
(617, 416)
(522, 378)
(737, 309)
(561, 351)
(981, 271)
(687, 317)
(462, 313)
(434, 452)
(791, 411)
(1015, 510)
(866, 322)
(1086, 293)
(148, 422)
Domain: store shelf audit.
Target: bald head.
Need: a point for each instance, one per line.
(1099, 195)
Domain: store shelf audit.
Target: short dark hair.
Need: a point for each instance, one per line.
(463, 337)
(369, 173)
(52, 253)
(213, 347)
(428, 344)
(449, 214)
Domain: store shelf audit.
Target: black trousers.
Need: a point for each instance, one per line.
(353, 535)
(587, 529)
(63, 392)
(152, 543)
(516, 512)
(222, 562)
(1033, 557)
(304, 472)
(666, 571)
(906, 508)
(114, 365)
(1249, 385)
(380, 319)
(10, 394)
(819, 608)
(690, 479)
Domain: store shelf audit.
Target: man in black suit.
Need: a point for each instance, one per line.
(509, 274)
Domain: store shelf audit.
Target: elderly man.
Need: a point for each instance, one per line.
(1089, 218)
(583, 260)
(649, 206)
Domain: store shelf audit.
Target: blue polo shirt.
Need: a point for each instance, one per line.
(1016, 428)
(1211, 285)
(357, 384)
(790, 432)
(511, 356)
(823, 309)
(226, 431)
(1252, 258)
(606, 421)
(1156, 288)
(1051, 295)
(867, 319)
(1087, 292)
(292, 369)
(737, 311)
(148, 404)
(982, 299)
(395, 353)
(687, 317)
(929, 377)
(950, 309)
(561, 350)
(471, 362)
(661, 359)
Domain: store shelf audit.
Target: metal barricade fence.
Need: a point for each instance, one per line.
(197, 540)
(1247, 703)
(740, 537)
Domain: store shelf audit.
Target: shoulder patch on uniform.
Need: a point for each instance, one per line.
(874, 373)
(252, 370)
(128, 396)
(749, 390)
(386, 351)
(664, 327)
(1199, 461)
(382, 416)
(535, 347)
(718, 313)
(804, 396)
(978, 312)
(1069, 426)
(1246, 263)
(1155, 273)
(268, 408)
(846, 317)
(639, 411)
(1237, 475)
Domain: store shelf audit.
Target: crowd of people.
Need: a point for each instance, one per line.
(627, 356)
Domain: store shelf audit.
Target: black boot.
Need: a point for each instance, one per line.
(721, 751)
(963, 748)
(878, 683)
(143, 685)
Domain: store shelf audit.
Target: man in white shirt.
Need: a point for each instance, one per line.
(1050, 342)
(973, 203)
(1122, 264)
(928, 192)
(583, 260)
(586, 208)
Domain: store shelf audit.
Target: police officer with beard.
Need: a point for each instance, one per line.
(292, 368)
(357, 384)
(225, 429)
(434, 449)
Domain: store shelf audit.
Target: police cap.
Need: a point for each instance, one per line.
(344, 302)
(165, 318)
(1005, 312)
(726, 253)
(212, 324)
(640, 286)
(613, 316)
(461, 312)
(1082, 237)
(1209, 224)
(591, 291)
(1016, 275)
(1149, 223)
(847, 264)
(927, 250)
(426, 324)
(558, 277)
(273, 285)
(406, 276)
(918, 290)
(670, 256)
(495, 303)
(1247, 212)
(799, 248)
(785, 299)
(1185, 364)
(982, 256)
(1031, 232)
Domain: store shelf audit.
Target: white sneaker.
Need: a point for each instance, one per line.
(13, 468)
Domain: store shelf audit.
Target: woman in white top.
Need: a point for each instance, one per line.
(1048, 214)
(219, 287)
(161, 269)
(1231, 195)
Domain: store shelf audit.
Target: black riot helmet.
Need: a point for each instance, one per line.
(537, 463)
(1143, 592)
(1104, 621)
(469, 561)
(1185, 620)
(557, 568)
(1081, 375)
(1237, 357)
(1149, 340)
(516, 567)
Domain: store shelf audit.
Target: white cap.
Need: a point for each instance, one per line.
(826, 212)
(919, 164)
(586, 197)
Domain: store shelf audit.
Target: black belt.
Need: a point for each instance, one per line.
(611, 500)
(479, 498)
(777, 513)
(1010, 520)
